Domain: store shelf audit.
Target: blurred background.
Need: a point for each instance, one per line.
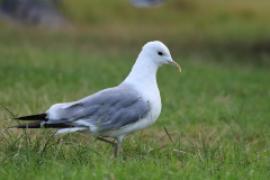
(217, 109)
(237, 27)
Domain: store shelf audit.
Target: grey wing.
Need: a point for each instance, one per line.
(107, 110)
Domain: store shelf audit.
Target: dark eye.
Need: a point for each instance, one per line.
(160, 53)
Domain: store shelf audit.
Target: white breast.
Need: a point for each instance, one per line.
(154, 99)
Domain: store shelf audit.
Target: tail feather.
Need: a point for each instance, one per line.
(36, 117)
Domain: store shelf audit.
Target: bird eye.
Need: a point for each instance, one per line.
(160, 53)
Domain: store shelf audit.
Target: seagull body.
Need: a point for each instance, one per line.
(114, 112)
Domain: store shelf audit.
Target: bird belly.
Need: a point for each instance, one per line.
(150, 118)
(141, 124)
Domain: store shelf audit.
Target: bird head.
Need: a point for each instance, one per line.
(159, 53)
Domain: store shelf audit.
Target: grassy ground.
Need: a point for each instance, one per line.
(216, 110)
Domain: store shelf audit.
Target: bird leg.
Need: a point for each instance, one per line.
(106, 140)
(118, 146)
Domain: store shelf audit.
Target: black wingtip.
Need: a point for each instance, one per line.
(34, 125)
(28, 125)
(39, 117)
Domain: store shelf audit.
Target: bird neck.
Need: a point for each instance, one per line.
(143, 72)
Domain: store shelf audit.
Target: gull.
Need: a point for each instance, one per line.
(113, 112)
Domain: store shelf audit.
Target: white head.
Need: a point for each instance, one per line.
(158, 52)
(153, 55)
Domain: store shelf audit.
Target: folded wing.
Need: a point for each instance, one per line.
(106, 110)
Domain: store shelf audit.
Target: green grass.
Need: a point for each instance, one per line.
(217, 112)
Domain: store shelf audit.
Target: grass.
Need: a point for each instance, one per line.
(217, 113)
(216, 110)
